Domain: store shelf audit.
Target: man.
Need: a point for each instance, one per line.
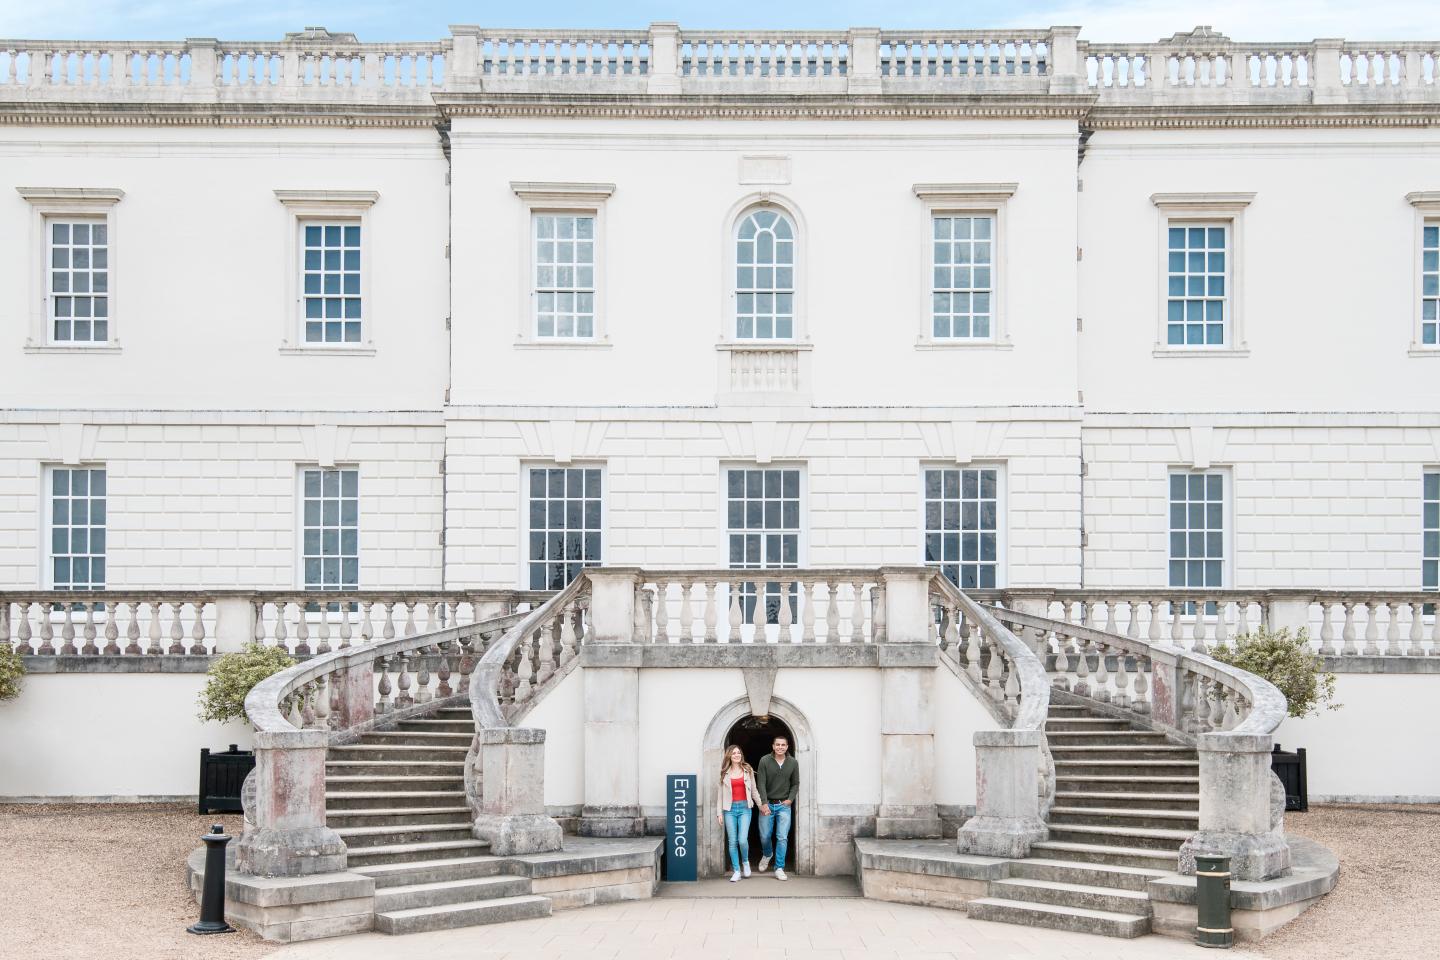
(777, 780)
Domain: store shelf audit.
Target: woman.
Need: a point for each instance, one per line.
(733, 805)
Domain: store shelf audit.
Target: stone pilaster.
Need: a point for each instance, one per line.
(1007, 795)
(512, 814)
(907, 709)
(1241, 808)
(289, 837)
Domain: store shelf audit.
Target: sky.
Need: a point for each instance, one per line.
(377, 20)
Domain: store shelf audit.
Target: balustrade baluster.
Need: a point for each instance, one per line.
(1177, 632)
(344, 626)
(1122, 680)
(757, 614)
(382, 703)
(322, 703)
(1012, 688)
(1082, 668)
(1141, 703)
(546, 661)
(422, 675)
(1242, 619)
(1061, 678)
(388, 631)
(1372, 629)
(1348, 632)
(785, 617)
(1101, 689)
(1435, 618)
(567, 632)
(23, 633)
(307, 706)
(132, 629)
(647, 614)
(302, 629)
(295, 707)
(1417, 632)
(735, 588)
(523, 672)
(1109, 616)
(67, 630)
(951, 636)
(367, 626)
(1392, 629)
(1132, 628)
(410, 630)
(281, 636)
(403, 697)
(89, 648)
(972, 650)
(1152, 607)
(832, 611)
(712, 614)
(857, 612)
(467, 661)
(994, 672)
(662, 611)
(153, 648)
(446, 650)
(1231, 716)
(1220, 632)
(1217, 705)
(808, 591)
(687, 612)
(1327, 629)
(197, 630)
(323, 646)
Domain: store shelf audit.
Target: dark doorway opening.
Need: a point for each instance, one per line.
(754, 736)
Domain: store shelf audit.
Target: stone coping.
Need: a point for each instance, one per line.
(282, 891)
(1314, 871)
(740, 655)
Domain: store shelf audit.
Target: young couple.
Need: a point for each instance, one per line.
(774, 788)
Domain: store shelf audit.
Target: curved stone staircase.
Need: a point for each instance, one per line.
(397, 799)
(1126, 798)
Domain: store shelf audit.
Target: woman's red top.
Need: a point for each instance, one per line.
(737, 788)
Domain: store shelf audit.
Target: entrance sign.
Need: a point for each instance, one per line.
(681, 821)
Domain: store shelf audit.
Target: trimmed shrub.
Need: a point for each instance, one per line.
(232, 677)
(12, 672)
(1287, 661)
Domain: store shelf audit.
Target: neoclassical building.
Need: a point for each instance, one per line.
(1145, 332)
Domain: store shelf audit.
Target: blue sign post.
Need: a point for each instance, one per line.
(682, 821)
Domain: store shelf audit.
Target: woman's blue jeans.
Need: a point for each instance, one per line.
(737, 831)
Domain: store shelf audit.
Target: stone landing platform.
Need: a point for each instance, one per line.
(930, 873)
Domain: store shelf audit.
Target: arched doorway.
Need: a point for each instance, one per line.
(755, 736)
(726, 723)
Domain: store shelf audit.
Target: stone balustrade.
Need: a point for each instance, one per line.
(319, 66)
(201, 623)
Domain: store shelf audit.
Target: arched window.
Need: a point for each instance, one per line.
(765, 276)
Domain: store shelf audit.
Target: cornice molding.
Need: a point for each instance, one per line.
(552, 192)
(89, 195)
(1209, 200)
(260, 114)
(1238, 116)
(327, 198)
(965, 192)
(1427, 200)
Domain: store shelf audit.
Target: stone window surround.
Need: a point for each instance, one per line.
(722, 525)
(1427, 211)
(522, 525)
(1227, 520)
(800, 334)
(1002, 503)
(556, 197)
(329, 205)
(1210, 206)
(982, 199)
(53, 202)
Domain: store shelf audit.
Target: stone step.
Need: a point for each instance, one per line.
(389, 834)
(384, 816)
(440, 892)
(450, 770)
(464, 725)
(403, 752)
(1078, 723)
(411, 872)
(418, 738)
(1101, 853)
(1084, 896)
(1111, 782)
(1048, 915)
(416, 852)
(1122, 751)
(452, 915)
(1092, 874)
(1059, 711)
(1064, 739)
(1119, 799)
(1154, 838)
(348, 799)
(1126, 817)
(1136, 767)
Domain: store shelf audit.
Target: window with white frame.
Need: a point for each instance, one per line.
(765, 276)
(1430, 283)
(1197, 283)
(1430, 531)
(330, 271)
(962, 525)
(762, 526)
(564, 258)
(962, 276)
(330, 528)
(565, 524)
(1197, 530)
(79, 274)
(77, 528)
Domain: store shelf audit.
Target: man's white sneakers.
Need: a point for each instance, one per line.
(780, 875)
(764, 862)
(746, 867)
(735, 877)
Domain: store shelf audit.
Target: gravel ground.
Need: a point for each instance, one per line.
(106, 882)
(1384, 904)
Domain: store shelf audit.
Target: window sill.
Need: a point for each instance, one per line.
(1425, 351)
(328, 351)
(777, 346)
(926, 343)
(1232, 353)
(108, 348)
(563, 343)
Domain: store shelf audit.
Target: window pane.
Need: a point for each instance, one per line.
(331, 281)
(565, 514)
(330, 537)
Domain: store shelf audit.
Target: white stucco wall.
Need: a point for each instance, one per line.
(561, 714)
(1381, 745)
(957, 716)
(116, 736)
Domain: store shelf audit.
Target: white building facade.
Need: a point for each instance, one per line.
(478, 313)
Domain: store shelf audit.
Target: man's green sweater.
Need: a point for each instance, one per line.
(776, 782)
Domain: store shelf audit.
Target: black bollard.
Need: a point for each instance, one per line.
(1212, 902)
(212, 898)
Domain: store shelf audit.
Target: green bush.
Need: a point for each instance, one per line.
(1286, 661)
(12, 672)
(234, 675)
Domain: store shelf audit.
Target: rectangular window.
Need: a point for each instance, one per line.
(331, 281)
(331, 528)
(962, 525)
(1430, 284)
(79, 287)
(962, 276)
(564, 275)
(1197, 291)
(1430, 530)
(565, 524)
(762, 523)
(77, 528)
(1197, 530)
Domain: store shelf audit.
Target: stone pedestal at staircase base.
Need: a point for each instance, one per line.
(999, 836)
(611, 822)
(289, 853)
(1252, 857)
(512, 836)
(908, 823)
(292, 909)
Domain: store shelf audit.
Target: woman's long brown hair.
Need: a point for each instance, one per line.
(725, 760)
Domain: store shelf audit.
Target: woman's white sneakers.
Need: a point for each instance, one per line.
(780, 875)
(735, 877)
(764, 862)
(746, 868)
